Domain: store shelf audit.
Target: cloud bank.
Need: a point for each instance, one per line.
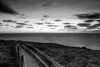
(4, 8)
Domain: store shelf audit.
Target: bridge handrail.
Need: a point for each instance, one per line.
(48, 57)
(20, 55)
(36, 56)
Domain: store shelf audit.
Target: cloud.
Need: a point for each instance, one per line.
(1, 24)
(97, 25)
(89, 26)
(73, 28)
(12, 26)
(88, 20)
(48, 23)
(92, 15)
(58, 20)
(52, 25)
(30, 27)
(46, 16)
(4, 8)
(39, 23)
(98, 21)
(7, 25)
(42, 19)
(83, 24)
(27, 21)
(66, 23)
(69, 26)
(93, 26)
(52, 28)
(9, 21)
(21, 24)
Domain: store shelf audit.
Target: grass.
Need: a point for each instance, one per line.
(67, 56)
(6, 55)
(70, 56)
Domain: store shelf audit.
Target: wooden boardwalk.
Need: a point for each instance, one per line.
(29, 60)
(36, 58)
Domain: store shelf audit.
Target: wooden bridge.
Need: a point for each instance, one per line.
(30, 56)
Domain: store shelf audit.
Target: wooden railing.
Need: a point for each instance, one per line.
(19, 54)
(36, 56)
(55, 63)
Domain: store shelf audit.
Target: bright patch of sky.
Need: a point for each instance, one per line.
(48, 16)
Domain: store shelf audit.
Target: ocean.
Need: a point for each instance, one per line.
(89, 40)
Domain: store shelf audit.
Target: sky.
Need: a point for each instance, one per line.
(49, 16)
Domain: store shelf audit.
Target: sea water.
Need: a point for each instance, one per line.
(89, 40)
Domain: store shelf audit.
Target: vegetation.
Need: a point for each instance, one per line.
(71, 56)
(65, 55)
(6, 56)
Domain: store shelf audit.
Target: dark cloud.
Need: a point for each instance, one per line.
(46, 16)
(1, 24)
(88, 26)
(48, 23)
(39, 23)
(66, 23)
(30, 27)
(98, 25)
(22, 24)
(69, 26)
(89, 21)
(93, 26)
(27, 21)
(98, 21)
(93, 15)
(58, 20)
(9, 21)
(4, 8)
(83, 24)
(42, 19)
(89, 18)
(19, 26)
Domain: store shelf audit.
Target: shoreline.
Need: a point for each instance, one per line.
(80, 47)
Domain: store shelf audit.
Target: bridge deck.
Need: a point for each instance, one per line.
(29, 60)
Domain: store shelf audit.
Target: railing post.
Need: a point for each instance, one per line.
(13, 49)
(22, 61)
(18, 55)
